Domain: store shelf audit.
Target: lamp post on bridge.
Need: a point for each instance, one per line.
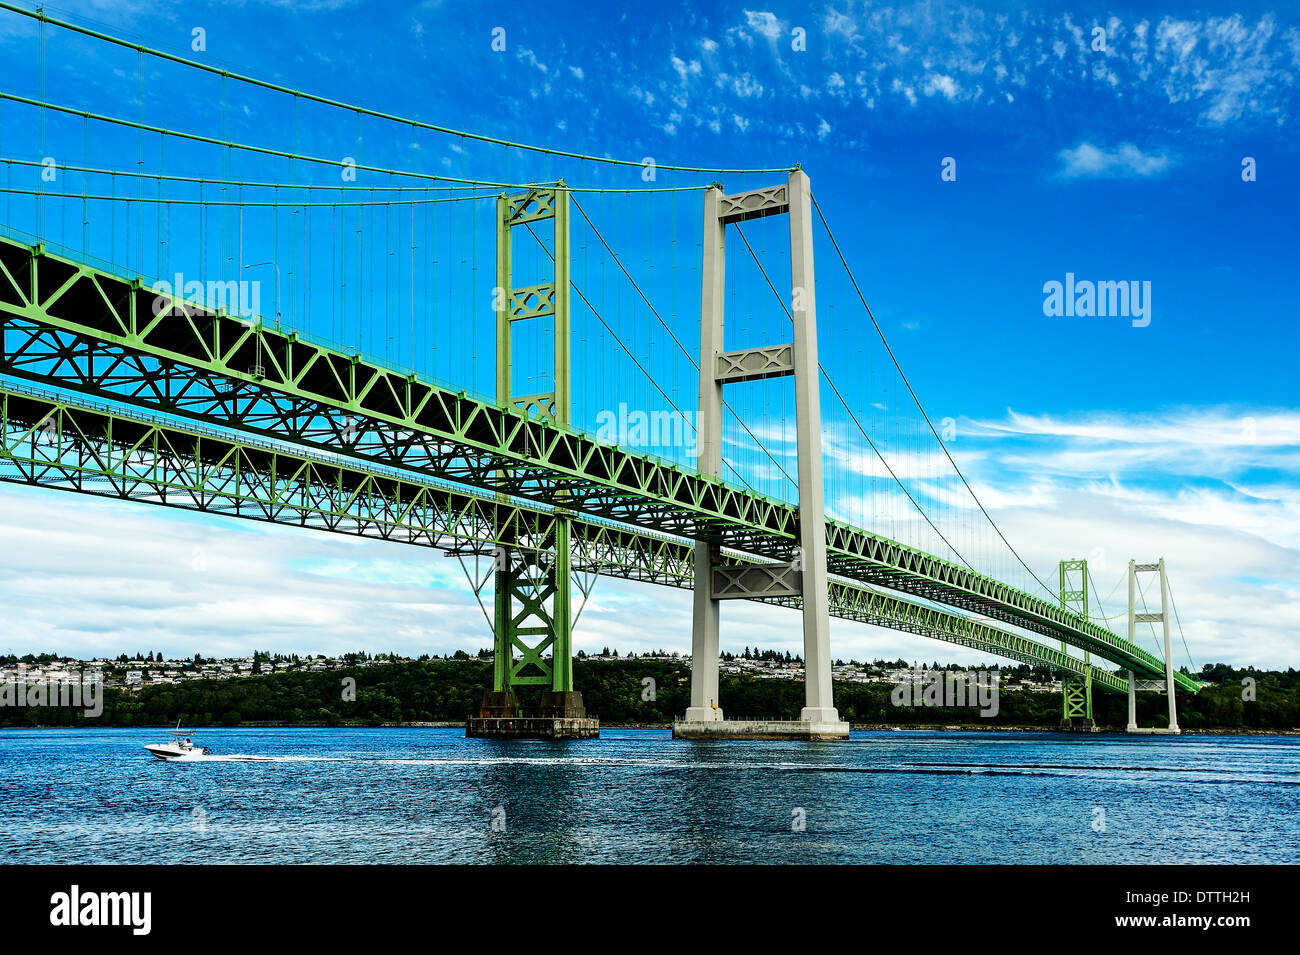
(275, 266)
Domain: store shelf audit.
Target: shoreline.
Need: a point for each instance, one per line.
(865, 727)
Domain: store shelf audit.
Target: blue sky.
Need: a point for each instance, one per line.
(1082, 436)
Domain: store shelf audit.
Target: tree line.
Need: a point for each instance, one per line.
(628, 691)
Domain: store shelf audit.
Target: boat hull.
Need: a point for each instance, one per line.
(172, 752)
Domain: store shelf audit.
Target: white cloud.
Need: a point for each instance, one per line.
(1186, 430)
(104, 577)
(764, 23)
(686, 70)
(746, 87)
(938, 83)
(899, 86)
(90, 577)
(1087, 161)
(529, 57)
(1220, 59)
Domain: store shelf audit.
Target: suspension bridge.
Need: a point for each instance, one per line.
(451, 362)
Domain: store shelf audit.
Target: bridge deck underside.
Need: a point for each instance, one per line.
(70, 326)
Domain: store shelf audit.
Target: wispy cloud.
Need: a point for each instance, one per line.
(1210, 489)
(1208, 71)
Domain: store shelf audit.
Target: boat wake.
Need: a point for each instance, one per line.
(251, 758)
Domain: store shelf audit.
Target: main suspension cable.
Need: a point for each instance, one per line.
(689, 357)
(854, 418)
(613, 334)
(862, 298)
(140, 48)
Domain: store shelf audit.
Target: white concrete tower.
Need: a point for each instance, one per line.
(806, 574)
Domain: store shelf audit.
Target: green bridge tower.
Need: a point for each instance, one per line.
(1076, 691)
(533, 612)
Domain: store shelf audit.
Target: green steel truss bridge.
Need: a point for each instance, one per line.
(333, 441)
(111, 387)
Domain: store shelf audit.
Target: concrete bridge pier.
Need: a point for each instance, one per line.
(805, 575)
(1134, 618)
(704, 706)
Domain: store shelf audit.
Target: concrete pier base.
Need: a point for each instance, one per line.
(1154, 731)
(703, 714)
(1077, 725)
(559, 714)
(531, 727)
(759, 729)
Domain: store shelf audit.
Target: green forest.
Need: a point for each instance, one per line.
(630, 691)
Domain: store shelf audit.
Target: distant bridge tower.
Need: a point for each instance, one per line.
(533, 583)
(1134, 618)
(1076, 691)
(805, 574)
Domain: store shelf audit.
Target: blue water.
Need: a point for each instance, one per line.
(430, 795)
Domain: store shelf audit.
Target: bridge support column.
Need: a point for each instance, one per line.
(1076, 691)
(1169, 656)
(704, 643)
(819, 718)
(1132, 703)
(819, 706)
(705, 617)
(1134, 618)
(534, 614)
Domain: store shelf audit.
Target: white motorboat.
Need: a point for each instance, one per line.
(179, 747)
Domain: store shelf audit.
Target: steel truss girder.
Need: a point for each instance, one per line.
(74, 326)
(47, 441)
(50, 442)
(850, 602)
